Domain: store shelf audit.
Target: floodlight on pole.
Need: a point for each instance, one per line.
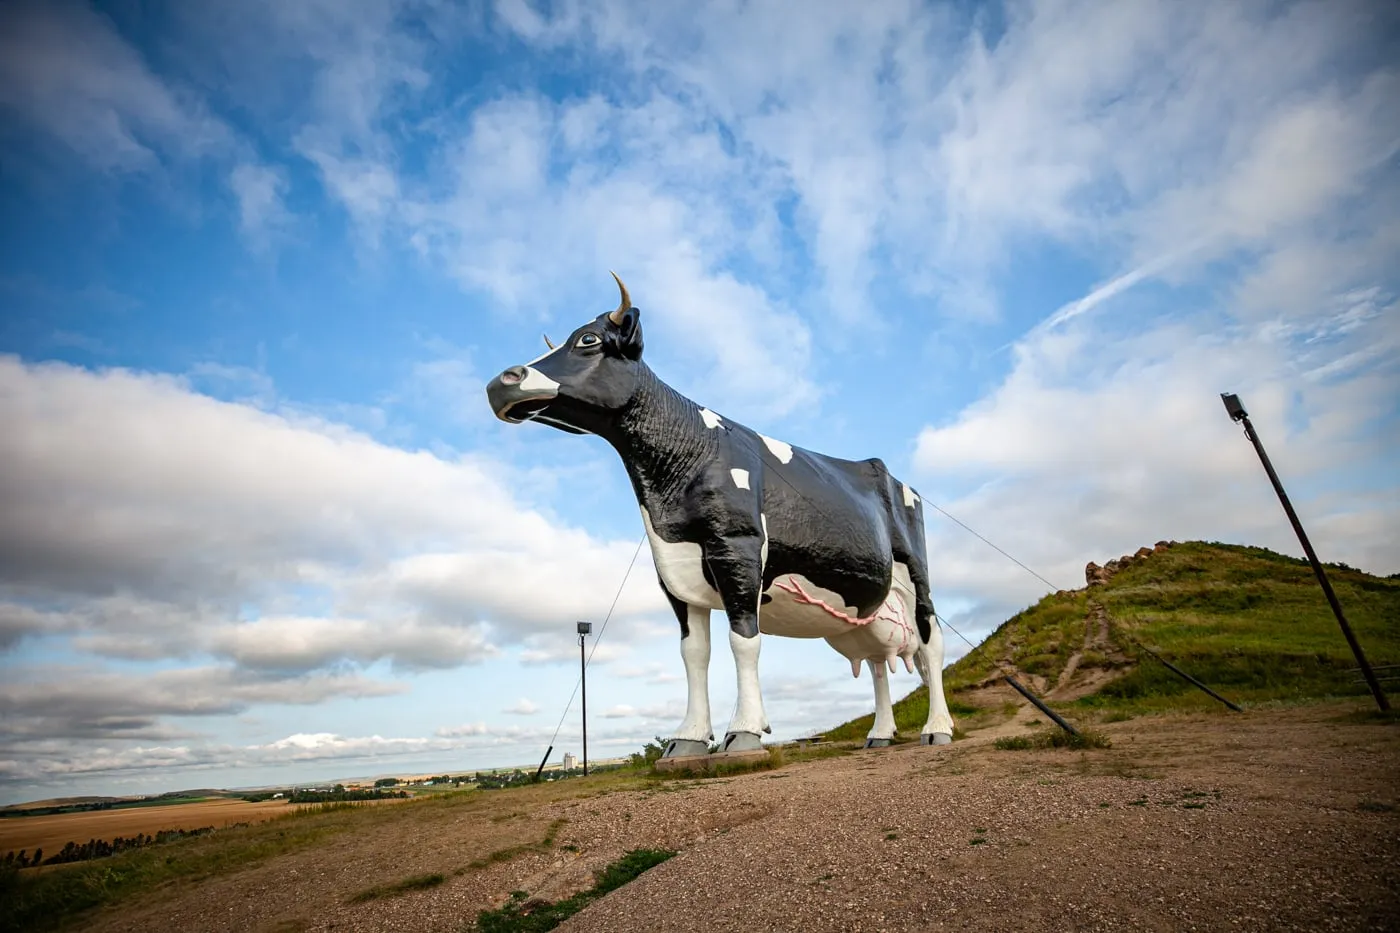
(1235, 408)
(584, 630)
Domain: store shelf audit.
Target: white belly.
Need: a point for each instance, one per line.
(801, 609)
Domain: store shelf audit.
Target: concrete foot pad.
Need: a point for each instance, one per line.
(741, 742)
(681, 748)
(705, 762)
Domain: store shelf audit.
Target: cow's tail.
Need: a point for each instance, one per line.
(907, 544)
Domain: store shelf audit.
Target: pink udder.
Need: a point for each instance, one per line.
(891, 610)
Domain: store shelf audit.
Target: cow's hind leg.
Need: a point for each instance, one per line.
(694, 735)
(929, 660)
(882, 731)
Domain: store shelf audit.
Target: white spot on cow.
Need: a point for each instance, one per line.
(711, 419)
(536, 381)
(741, 478)
(680, 566)
(910, 496)
(778, 449)
(763, 548)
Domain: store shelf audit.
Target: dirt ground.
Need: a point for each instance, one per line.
(1284, 819)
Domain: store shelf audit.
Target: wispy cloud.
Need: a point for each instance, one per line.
(65, 69)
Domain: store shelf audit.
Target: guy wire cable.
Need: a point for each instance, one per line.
(601, 629)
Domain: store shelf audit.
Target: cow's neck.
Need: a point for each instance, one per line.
(660, 440)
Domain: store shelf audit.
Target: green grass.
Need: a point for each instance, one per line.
(521, 915)
(1039, 640)
(1250, 623)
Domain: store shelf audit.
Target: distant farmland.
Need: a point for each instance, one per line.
(50, 832)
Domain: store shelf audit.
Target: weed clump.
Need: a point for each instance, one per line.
(1056, 738)
(521, 915)
(413, 883)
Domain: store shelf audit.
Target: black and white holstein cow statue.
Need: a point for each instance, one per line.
(784, 540)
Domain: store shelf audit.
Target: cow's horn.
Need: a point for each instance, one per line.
(616, 316)
(547, 342)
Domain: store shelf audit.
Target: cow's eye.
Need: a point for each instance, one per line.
(589, 340)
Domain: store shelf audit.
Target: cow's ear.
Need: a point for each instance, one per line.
(629, 335)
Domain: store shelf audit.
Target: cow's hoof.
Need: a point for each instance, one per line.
(935, 738)
(740, 742)
(878, 743)
(683, 748)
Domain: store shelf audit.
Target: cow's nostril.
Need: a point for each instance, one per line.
(513, 376)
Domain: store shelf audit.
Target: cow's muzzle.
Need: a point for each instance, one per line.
(520, 393)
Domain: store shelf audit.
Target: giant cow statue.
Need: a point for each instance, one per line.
(784, 540)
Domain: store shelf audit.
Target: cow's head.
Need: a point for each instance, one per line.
(581, 384)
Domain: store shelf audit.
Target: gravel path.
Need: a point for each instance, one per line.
(1273, 820)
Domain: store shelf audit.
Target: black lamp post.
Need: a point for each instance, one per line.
(1235, 408)
(584, 629)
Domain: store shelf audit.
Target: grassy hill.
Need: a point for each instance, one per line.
(1250, 623)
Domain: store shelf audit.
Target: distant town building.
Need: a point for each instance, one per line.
(570, 761)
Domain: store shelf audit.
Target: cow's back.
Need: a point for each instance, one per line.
(828, 521)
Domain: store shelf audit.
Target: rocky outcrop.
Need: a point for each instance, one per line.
(1094, 575)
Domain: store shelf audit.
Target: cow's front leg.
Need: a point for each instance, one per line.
(737, 566)
(694, 735)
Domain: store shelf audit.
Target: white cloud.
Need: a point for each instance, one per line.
(300, 643)
(89, 703)
(522, 707)
(465, 729)
(260, 190)
(621, 711)
(148, 522)
(1097, 444)
(125, 484)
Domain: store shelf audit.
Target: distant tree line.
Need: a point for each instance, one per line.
(99, 848)
(336, 794)
(502, 779)
(62, 808)
(341, 794)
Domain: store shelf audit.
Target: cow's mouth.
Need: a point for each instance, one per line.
(523, 410)
(520, 393)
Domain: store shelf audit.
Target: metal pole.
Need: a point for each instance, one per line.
(583, 678)
(1041, 706)
(547, 753)
(1185, 676)
(1237, 412)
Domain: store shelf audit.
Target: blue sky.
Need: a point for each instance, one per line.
(260, 259)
